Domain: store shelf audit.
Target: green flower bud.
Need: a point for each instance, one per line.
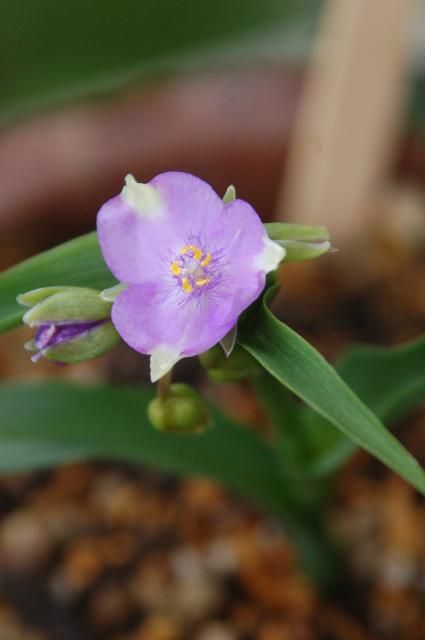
(240, 364)
(182, 411)
(72, 323)
(301, 242)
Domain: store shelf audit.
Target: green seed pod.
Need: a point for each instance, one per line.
(182, 411)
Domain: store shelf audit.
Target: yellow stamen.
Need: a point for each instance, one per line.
(175, 268)
(205, 262)
(197, 253)
(186, 286)
(200, 282)
(185, 249)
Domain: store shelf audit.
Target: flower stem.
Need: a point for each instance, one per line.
(163, 386)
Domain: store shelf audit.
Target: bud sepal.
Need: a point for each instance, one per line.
(301, 242)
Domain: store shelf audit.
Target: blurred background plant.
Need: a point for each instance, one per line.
(315, 111)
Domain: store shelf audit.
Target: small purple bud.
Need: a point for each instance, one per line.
(72, 324)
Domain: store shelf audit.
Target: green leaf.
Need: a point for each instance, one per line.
(298, 366)
(289, 440)
(78, 263)
(391, 381)
(53, 51)
(283, 412)
(47, 423)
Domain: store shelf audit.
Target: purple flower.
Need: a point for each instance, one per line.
(191, 264)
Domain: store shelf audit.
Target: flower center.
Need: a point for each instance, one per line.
(191, 268)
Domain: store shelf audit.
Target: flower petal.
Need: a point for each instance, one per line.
(143, 198)
(270, 257)
(193, 205)
(142, 229)
(154, 315)
(132, 245)
(245, 240)
(163, 359)
(240, 238)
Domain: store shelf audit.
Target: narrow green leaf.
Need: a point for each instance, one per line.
(391, 381)
(289, 440)
(50, 423)
(298, 366)
(47, 423)
(78, 262)
(53, 51)
(283, 412)
(388, 380)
